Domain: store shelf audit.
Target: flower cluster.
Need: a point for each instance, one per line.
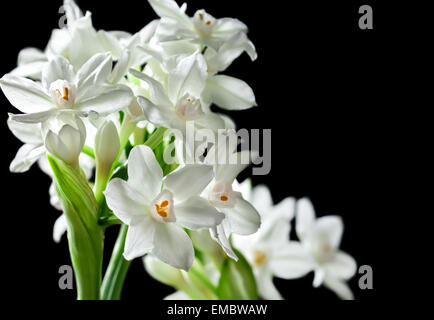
(101, 110)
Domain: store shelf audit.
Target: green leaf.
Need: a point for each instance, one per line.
(237, 281)
(85, 236)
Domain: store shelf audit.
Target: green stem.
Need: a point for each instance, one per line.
(89, 151)
(156, 138)
(117, 269)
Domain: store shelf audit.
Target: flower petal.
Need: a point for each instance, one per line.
(229, 93)
(243, 217)
(228, 172)
(126, 203)
(93, 73)
(189, 181)
(339, 287)
(57, 69)
(328, 229)
(261, 199)
(173, 246)
(305, 217)
(196, 213)
(59, 228)
(158, 93)
(26, 156)
(219, 235)
(27, 133)
(144, 172)
(266, 288)
(157, 115)
(291, 261)
(169, 8)
(343, 266)
(139, 240)
(188, 77)
(109, 99)
(25, 95)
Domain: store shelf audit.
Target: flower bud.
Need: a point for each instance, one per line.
(106, 146)
(64, 135)
(163, 272)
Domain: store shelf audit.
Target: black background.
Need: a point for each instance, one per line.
(320, 85)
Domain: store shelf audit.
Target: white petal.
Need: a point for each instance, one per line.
(110, 99)
(121, 67)
(219, 235)
(157, 115)
(158, 93)
(59, 228)
(196, 213)
(339, 287)
(93, 73)
(328, 230)
(229, 93)
(230, 50)
(35, 118)
(305, 217)
(227, 27)
(169, 8)
(31, 70)
(126, 203)
(188, 77)
(177, 295)
(85, 41)
(261, 199)
(57, 69)
(343, 266)
(25, 95)
(29, 55)
(189, 181)
(266, 287)
(228, 172)
(291, 261)
(243, 217)
(212, 121)
(284, 209)
(27, 133)
(173, 246)
(26, 156)
(144, 172)
(139, 240)
(318, 277)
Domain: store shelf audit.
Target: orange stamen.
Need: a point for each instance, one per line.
(224, 198)
(160, 210)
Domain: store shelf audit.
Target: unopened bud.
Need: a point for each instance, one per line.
(106, 146)
(64, 137)
(163, 272)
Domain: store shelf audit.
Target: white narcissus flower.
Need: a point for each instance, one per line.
(64, 90)
(226, 92)
(78, 41)
(241, 217)
(265, 250)
(202, 28)
(180, 103)
(157, 210)
(318, 250)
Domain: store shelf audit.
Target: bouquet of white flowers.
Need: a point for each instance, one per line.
(110, 117)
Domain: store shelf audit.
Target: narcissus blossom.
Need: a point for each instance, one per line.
(174, 106)
(156, 211)
(266, 250)
(64, 90)
(318, 251)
